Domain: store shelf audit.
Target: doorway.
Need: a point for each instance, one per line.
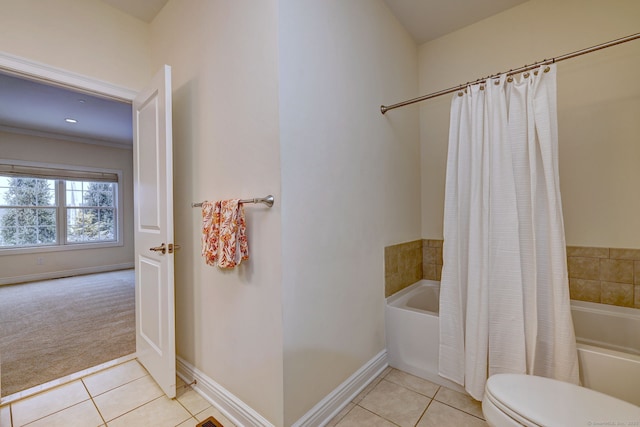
(43, 257)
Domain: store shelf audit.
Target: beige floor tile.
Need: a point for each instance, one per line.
(161, 412)
(440, 415)
(213, 412)
(5, 416)
(395, 403)
(372, 385)
(191, 422)
(116, 376)
(43, 404)
(83, 414)
(414, 383)
(360, 417)
(340, 415)
(191, 400)
(461, 401)
(125, 398)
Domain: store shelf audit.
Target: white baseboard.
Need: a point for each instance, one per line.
(231, 406)
(64, 273)
(335, 401)
(242, 415)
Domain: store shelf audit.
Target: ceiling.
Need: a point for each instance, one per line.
(429, 19)
(29, 106)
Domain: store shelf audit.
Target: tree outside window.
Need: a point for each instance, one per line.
(30, 209)
(28, 212)
(90, 211)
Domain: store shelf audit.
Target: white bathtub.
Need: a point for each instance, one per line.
(608, 340)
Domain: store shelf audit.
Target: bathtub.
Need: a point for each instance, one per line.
(608, 341)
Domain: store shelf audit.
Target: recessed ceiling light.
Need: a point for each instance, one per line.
(69, 120)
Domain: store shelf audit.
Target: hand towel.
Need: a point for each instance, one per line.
(224, 240)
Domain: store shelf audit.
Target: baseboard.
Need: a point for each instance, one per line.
(242, 415)
(231, 406)
(335, 401)
(64, 273)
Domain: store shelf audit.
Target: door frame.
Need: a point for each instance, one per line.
(23, 67)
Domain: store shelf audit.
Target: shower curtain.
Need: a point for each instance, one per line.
(504, 303)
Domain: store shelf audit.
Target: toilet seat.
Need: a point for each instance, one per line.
(514, 400)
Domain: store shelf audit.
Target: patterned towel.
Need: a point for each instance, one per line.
(224, 240)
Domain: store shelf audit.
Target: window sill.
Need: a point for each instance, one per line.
(58, 248)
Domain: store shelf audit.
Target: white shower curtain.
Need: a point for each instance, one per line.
(504, 302)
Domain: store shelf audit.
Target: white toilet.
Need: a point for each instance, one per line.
(512, 400)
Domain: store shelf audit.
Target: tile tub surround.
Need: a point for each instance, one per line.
(596, 274)
(402, 265)
(604, 275)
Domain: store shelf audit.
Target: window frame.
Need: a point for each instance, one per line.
(61, 217)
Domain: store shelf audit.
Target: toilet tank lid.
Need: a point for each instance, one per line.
(548, 402)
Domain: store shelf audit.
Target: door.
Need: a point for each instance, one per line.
(153, 225)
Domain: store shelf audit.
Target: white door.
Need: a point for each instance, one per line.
(153, 222)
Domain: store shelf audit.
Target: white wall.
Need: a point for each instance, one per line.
(84, 36)
(20, 267)
(350, 184)
(225, 116)
(598, 108)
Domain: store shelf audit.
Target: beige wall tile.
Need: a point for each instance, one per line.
(588, 252)
(429, 272)
(616, 270)
(403, 265)
(435, 243)
(393, 284)
(584, 268)
(585, 290)
(636, 272)
(390, 261)
(636, 294)
(624, 254)
(617, 294)
(429, 255)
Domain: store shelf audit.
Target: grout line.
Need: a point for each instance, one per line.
(379, 416)
(137, 407)
(53, 413)
(93, 401)
(425, 411)
(461, 410)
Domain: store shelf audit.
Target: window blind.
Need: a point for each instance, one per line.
(56, 173)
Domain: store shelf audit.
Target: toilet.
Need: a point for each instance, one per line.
(515, 400)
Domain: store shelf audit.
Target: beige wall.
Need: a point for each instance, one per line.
(226, 144)
(598, 108)
(350, 185)
(84, 36)
(20, 267)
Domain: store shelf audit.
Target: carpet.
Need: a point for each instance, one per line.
(54, 328)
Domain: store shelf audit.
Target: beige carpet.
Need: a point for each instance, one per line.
(54, 328)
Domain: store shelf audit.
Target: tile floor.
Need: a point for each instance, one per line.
(396, 398)
(125, 395)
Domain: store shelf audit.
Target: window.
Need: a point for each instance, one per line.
(27, 212)
(90, 211)
(43, 207)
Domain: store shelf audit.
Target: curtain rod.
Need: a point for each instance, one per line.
(385, 108)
